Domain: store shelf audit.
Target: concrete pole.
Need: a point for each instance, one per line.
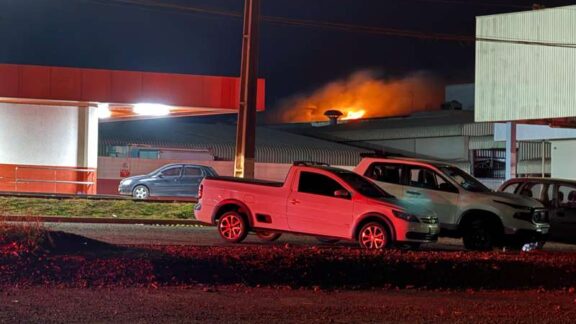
(511, 151)
(246, 131)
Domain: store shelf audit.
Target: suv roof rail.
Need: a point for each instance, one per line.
(381, 154)
(310, 163)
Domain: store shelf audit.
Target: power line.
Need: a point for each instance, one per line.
(337, 26)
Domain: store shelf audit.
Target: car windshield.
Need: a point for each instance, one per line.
(465, 180)
(363, 185)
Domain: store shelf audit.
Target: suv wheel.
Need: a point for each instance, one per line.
(268, 236)
(373, 236)
(232, 227)
(479, 236)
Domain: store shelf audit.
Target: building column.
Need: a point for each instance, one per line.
(87, 148)
(511, 151)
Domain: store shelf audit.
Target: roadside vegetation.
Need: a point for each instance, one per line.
(30, 207)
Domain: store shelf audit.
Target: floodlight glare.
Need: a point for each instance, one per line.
(104, 111)
(148, 109)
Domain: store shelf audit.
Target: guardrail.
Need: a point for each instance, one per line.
(96, 197)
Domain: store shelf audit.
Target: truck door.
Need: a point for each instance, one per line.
(314, 208)
(429, 189)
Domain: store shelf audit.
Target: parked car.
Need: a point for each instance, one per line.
(559, 197)
(329, 203)
(465, 207)
(169, 180)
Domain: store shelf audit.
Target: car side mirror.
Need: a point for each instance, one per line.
(159, 175)
(341, 193)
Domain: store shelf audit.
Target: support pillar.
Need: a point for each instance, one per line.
(511, 150)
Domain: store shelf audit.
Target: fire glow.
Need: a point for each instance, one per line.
(365, 95)
(353, 114)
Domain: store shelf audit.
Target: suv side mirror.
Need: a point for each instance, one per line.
(341, 193)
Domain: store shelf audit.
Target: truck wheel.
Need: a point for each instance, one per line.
(478, 236)
(232, 227)
(325, 240)
(268, 236)
(140, 192)
(373, 236)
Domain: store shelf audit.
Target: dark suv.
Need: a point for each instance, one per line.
(557, 195)
(169, 180)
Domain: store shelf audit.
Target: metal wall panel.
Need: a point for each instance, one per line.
(517, 81)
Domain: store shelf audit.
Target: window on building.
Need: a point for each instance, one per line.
(148, 154)
(489, 163)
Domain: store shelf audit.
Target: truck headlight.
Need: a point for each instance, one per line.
(540, 216)
(406, 216)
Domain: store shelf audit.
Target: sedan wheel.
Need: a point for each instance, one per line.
(268, 236)
(373, 236)
(140, 192)
(232, 227)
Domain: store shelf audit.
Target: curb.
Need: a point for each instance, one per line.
(92, 220)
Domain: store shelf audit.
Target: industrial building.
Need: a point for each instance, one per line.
(525, 65)
(49, 117)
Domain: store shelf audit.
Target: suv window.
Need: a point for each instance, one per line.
(428, 179)
(385, 172)
(511, 188)
(532, 190)
(192, 172)
(171, 172)
(566, 196)
(318, 184)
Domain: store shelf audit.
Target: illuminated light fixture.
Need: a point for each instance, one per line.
(148, 109)
(104, 111)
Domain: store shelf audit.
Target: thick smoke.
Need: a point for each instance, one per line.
(366, 91)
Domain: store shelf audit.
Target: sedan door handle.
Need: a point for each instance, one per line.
(294, 202)
(413, 193)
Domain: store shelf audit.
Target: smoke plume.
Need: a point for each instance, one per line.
(365, 95)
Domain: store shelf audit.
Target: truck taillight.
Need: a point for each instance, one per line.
(200, 191)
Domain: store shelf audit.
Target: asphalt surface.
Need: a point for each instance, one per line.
(138, 234)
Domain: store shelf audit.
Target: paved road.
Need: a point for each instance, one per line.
(188, 235)
(262, 305)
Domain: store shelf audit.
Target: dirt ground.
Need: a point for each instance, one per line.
(239, 304)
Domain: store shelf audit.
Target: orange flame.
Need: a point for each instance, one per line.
(353, 114)
(364, 95)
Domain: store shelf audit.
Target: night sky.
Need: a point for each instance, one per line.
(293, 59)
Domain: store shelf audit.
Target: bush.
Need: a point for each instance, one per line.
(21, 238)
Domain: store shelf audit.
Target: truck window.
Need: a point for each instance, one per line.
(317, 184)
(385, 172)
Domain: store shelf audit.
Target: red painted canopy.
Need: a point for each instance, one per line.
(122, 87)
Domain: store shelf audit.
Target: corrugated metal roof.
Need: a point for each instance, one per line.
(478, 129)
(272, 146)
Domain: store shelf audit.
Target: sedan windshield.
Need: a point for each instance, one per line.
(363, 185)
(465, 180)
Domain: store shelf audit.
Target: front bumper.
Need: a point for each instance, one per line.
(538, 234)
(124, 190)
(421, 233)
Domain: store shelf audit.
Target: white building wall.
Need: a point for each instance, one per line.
(563, 157)
(525, 65)
(48, 136)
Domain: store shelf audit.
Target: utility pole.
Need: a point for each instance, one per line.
(246, 131)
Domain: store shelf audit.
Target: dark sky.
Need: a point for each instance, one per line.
(293, 59)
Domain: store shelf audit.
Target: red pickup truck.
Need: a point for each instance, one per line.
(329, 203)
